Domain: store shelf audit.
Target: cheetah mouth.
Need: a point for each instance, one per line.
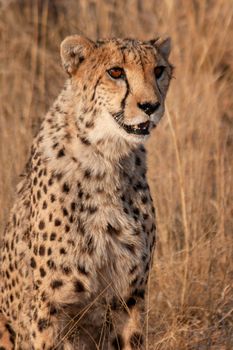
(138, 129)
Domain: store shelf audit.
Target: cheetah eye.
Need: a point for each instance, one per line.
(159, 71)
(116, 73)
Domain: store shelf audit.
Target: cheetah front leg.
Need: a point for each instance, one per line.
(44, 332)
(127, 323)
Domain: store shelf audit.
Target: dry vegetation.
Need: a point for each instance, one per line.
(190, 154)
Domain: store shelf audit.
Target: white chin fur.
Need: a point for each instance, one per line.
(107, 128)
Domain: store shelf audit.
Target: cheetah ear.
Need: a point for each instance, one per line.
(163, 45)
(74, 49)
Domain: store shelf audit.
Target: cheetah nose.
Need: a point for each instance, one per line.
(149, 108)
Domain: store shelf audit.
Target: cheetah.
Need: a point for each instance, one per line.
(78, 247)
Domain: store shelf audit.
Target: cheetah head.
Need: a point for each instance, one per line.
(120, 85)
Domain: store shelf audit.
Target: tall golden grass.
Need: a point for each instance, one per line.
(190, 299)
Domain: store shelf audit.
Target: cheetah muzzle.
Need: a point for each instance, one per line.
(139, 129)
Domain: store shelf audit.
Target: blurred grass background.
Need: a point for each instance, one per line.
(190, 153)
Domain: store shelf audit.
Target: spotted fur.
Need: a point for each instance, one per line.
(76, 253)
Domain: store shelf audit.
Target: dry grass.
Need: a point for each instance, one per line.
(190, 154)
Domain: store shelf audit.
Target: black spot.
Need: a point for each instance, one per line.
(118, 342)
(131, 302)
(112, 230)
(92, 209)
(89, 124)
(144, 199)
(138, 186)
(61, 153)
(133, 269)
(51, 264)
(65, 187)
(138, 161)
(33, 263)
(66, 270)
(115, 304)
(73, 206)
(130, 247)
(42, 324)
(50, 182)
(56, 284)
(134, 281)
(139, 293)
(44, 205)
(55, 145)
(100, 176)
(74, 159)
(52, 310)
(65, 211)
(147, 267)
(87, 173)
(67, 228)
(82, 270)
(52, 198)
(81, 59)
(49, 251)
(14, 220)
(41, 250)
(145, 216)
(45, 236)
(35, 249)
(80, 194)
(71, 242)
(38, 194)
(78, 286)
(144, 257)
(142, 148)
(85, 141)
(42, 272)
(123, 198)
(136, 211)
(57, 108)
(53, 236)
(59, 176)
(136, 340)
(62, 251)
(57, 222)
